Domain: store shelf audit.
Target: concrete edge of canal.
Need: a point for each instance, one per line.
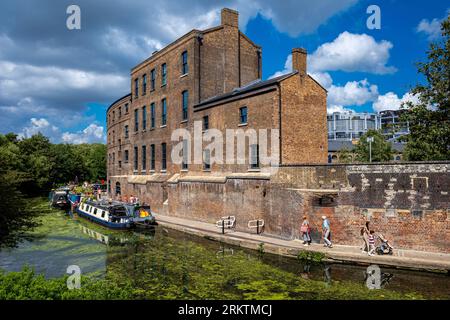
(430, 262)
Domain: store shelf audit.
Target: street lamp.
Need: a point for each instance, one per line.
(370, 140)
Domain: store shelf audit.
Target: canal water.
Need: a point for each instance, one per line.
(172, 264)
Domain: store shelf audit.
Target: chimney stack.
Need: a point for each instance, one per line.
(299, 60)
(230, 17)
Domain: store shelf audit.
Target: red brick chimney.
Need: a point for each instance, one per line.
(299, 60)
(230, 17)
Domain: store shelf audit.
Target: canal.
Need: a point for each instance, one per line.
(169, 264)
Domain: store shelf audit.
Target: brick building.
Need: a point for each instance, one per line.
(212, 78)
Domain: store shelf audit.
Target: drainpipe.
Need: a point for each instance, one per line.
(279, 124)
(200, 42)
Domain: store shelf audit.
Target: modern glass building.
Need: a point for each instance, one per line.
(349, 126)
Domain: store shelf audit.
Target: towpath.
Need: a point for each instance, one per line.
(406, 259)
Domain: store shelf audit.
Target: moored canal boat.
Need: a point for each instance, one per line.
(58, 198)
(74, 198)
(141, 215)
(114, 216)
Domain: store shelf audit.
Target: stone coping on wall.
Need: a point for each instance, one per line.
(219, 178)
(396, 163)
(147, 178)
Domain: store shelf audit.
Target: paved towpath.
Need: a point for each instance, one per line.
(408, 259)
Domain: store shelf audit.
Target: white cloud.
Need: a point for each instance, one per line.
(334, 108)
(431, 28)
(287, 68)
(38, 126)
(353, 93)
(93, 133)
(294, 17)
(50, 83)
(323, 78)
(390, 101)
(352, 53)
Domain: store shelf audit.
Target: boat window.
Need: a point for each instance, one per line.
(95, 211)
(103, 214)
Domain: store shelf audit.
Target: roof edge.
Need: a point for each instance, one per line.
(129, 94)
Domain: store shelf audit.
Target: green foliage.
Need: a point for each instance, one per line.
(168, 266)
(429, 118)
(42, 165)
(311, 256)
(261, 248)
(381, 149)
(32, 166)
(345, 155)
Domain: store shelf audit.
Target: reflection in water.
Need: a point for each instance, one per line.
(168, 264)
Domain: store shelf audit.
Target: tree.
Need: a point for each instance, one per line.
(34, 153)
(345, 155)
(381, 149)
(15, 216)
(67, 164)
(429, 121)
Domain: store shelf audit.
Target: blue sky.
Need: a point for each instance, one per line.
(60, 82)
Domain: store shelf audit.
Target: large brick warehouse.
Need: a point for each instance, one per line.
(211, 79)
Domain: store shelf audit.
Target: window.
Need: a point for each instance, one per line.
(144, 118)
(114, 137)
(126, 132)
(185, 101)
(120, 164)
(144, 158)
(152, 79)
(205, 123)
(152, 157)
(114, 157)
(207, 159)
(254, 156)
(163, 74)
(184, 62)
(126, 107)
(163, 156)
(144, 84)
(120, 112)
(114, 116)
(185, 151)
(126, 156)
(136, 87)
(152, 115)
(243, 115)
(136, 120)
(136, 158)
(163, 112)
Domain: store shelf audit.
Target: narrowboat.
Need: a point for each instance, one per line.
(141, 215)
(58, 198)
(74, 198)
(110, 215)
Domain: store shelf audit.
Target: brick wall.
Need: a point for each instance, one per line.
(419, 221)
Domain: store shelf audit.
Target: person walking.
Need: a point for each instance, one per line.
(365, 237)
(326, 232)
(306, 232)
